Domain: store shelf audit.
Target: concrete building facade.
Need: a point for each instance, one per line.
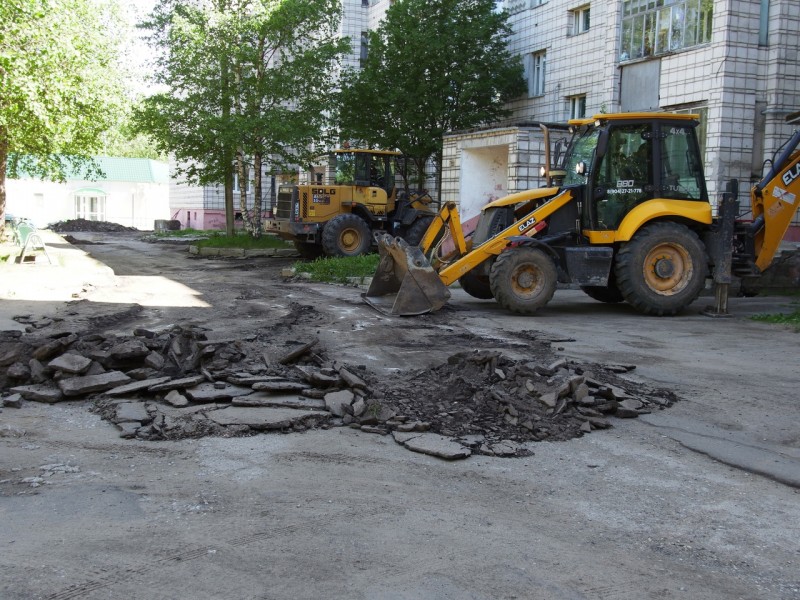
(733, 62)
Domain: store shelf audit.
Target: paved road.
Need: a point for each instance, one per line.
(698, 501)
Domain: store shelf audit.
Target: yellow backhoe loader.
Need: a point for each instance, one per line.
(339, 217)
(625, 215)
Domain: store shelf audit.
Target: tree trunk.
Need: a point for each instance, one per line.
(437, 163)
(240, 167)
(3, 163)
(420, 164)
(257, 195)
(227, 153)
(229, 214)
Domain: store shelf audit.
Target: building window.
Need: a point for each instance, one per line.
(537, 74)
(236, 187)
(538, 2)
(653, 27)
(579, 20)
(364, 2)
(90, 205)
(577, 107)
(364, 48)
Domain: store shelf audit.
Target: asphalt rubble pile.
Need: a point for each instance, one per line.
(87, 225)
(176, 383)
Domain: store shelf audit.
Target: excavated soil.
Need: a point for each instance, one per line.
(73, 225)
(178, 381)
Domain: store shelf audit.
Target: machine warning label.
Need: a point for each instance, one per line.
(784, 195)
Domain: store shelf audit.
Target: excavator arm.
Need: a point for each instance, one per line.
(407, 282)
(774, 201)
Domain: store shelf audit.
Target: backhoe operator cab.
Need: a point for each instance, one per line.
(626, 163)
(339, 217)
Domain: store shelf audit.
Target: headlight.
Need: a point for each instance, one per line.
(542, 171)
(580, 168)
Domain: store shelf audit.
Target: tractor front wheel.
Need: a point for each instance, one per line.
(662, 270)
(346, 235)
(523, 279)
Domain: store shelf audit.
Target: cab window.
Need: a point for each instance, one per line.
(624, 174)
(681, 168)
(345, 168)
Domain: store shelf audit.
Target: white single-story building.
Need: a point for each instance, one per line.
(134, 192)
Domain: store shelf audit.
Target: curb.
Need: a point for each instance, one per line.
(290, 272)
(244, 253)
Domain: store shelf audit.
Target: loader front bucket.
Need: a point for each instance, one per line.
(405, 284)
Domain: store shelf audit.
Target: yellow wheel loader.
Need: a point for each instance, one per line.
(625, 215)
(339, 218)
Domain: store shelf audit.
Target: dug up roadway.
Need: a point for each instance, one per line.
(699, 500)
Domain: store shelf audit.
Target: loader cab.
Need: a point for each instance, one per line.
(623, 162)
(366, 168)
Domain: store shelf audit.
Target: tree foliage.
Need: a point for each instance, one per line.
(246, 84)
(59, 89)
(432, 66)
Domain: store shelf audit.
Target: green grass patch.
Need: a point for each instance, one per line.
(792, 319)
(339, 269)
(184, 233)
(242, 240)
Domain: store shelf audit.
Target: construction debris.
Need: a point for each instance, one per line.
(176, 383)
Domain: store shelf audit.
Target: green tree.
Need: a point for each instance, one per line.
(432, 66)
(59, 88)
(247, 88)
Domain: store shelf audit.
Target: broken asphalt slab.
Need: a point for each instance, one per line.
(262, 418)
(433, 444)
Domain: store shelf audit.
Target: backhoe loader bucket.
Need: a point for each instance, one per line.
(405, 284)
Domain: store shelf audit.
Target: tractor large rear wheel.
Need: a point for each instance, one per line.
(523, 279)
(492, 222)
(346, 235)
(662, 270)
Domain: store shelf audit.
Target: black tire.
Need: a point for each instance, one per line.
(609, 294)
(308, 250)
(492, 221)
(662, 270)
(523, 279)
(476, 285)
(346, 235)
(416, 231)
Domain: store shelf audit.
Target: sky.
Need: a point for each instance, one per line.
(138, 53)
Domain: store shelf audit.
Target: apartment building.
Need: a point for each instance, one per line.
(733, 62)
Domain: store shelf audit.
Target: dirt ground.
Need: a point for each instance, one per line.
(696, 498)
